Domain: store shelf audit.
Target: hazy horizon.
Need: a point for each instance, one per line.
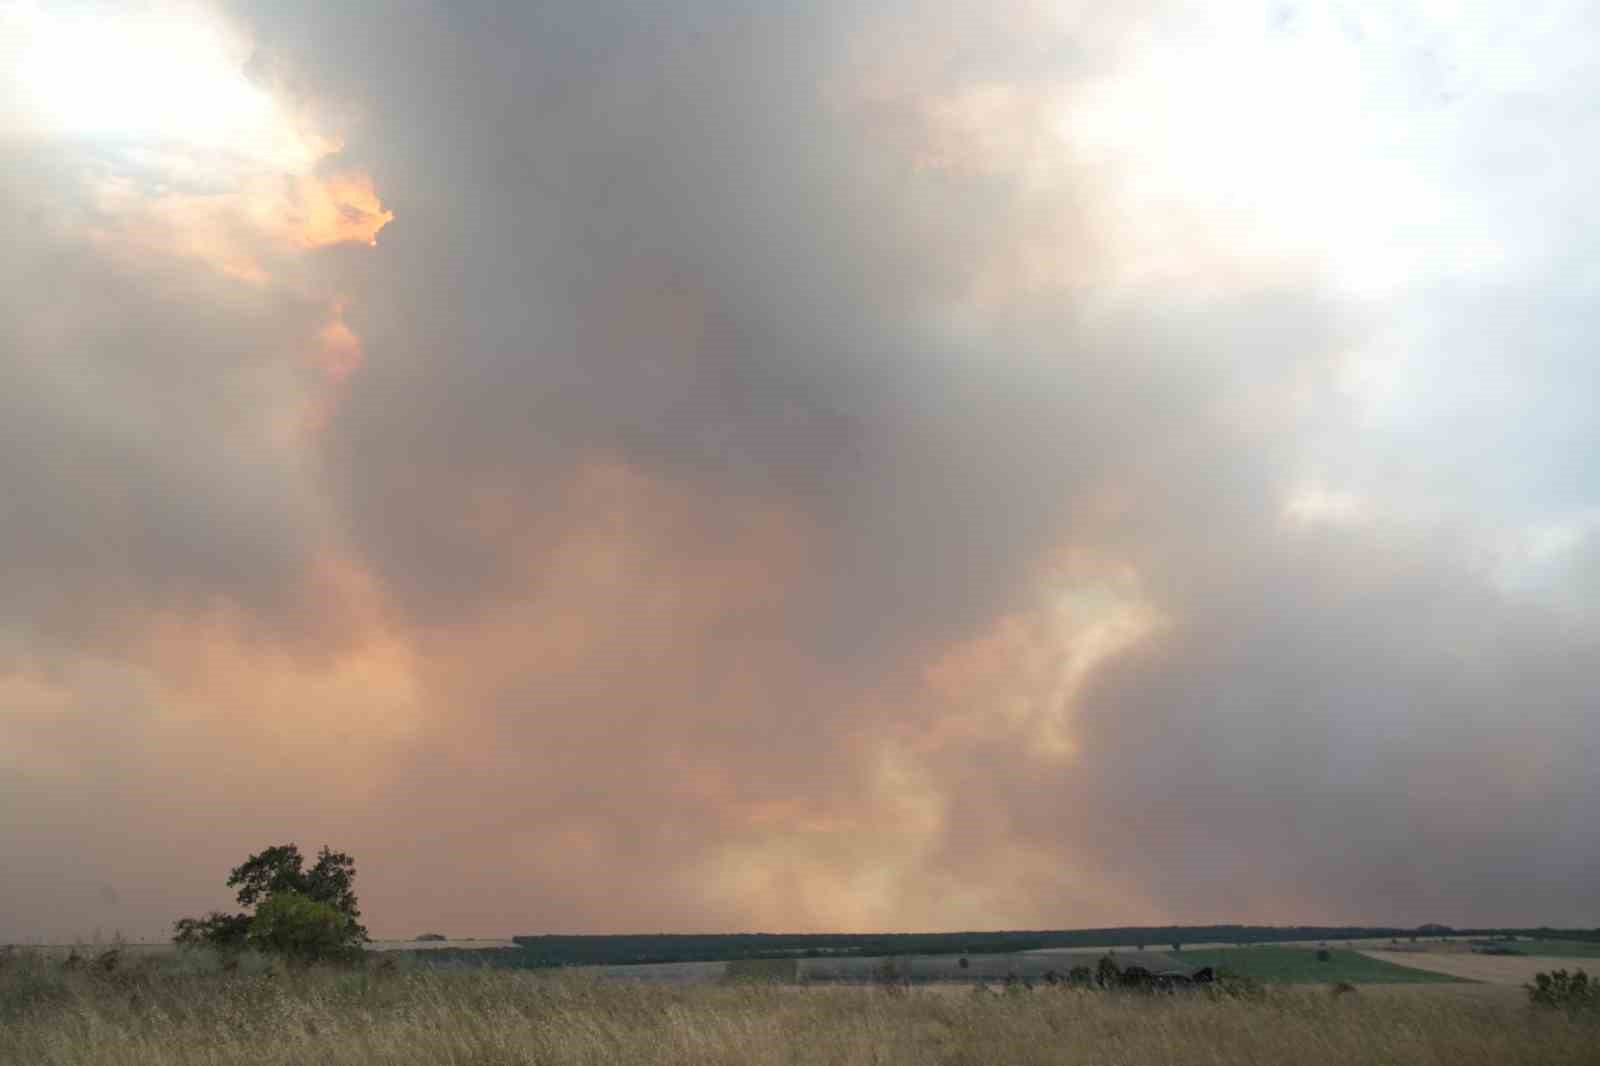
(837, 466)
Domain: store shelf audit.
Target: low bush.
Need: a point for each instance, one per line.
(1107, 972)
(1565, 991)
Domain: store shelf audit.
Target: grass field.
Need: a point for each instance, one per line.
(1300, 966)
(188, 1015)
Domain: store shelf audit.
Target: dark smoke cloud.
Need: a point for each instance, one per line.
(733, 530)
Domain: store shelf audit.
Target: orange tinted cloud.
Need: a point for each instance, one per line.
(691, 564)
(335, 210)
(217, 230)
(356, 685)
(335, 351)
(338, 352)
(248, 232)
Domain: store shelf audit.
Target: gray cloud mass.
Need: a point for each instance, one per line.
(770, 497)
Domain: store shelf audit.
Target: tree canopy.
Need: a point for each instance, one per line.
(292, 924)
(307, 913)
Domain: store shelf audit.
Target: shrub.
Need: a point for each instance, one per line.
(1324, 955)
(216, 930)
(892, 975)
(1566, 991)
(1107, 972)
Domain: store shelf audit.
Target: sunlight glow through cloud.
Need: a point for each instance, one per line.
(168, 74)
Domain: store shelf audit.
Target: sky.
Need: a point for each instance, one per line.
(614, 466)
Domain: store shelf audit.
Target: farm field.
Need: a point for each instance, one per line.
(475, 944)
(989, 967)
(160, 1013)
(548, 949)
(916, 968)
(1285, 965)
(1560, 949)
(666, 973)
(1216, 945)
(1493, 969)
(1274, 965)
(1367, 961)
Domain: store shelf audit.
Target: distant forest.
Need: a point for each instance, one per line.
(632, 949)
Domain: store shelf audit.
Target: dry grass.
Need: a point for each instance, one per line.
(155, 1016)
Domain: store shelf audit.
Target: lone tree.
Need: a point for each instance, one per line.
(305, 914)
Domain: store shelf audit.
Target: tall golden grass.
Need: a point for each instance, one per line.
(263, 1014)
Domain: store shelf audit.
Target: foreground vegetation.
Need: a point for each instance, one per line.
(194, 1010)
